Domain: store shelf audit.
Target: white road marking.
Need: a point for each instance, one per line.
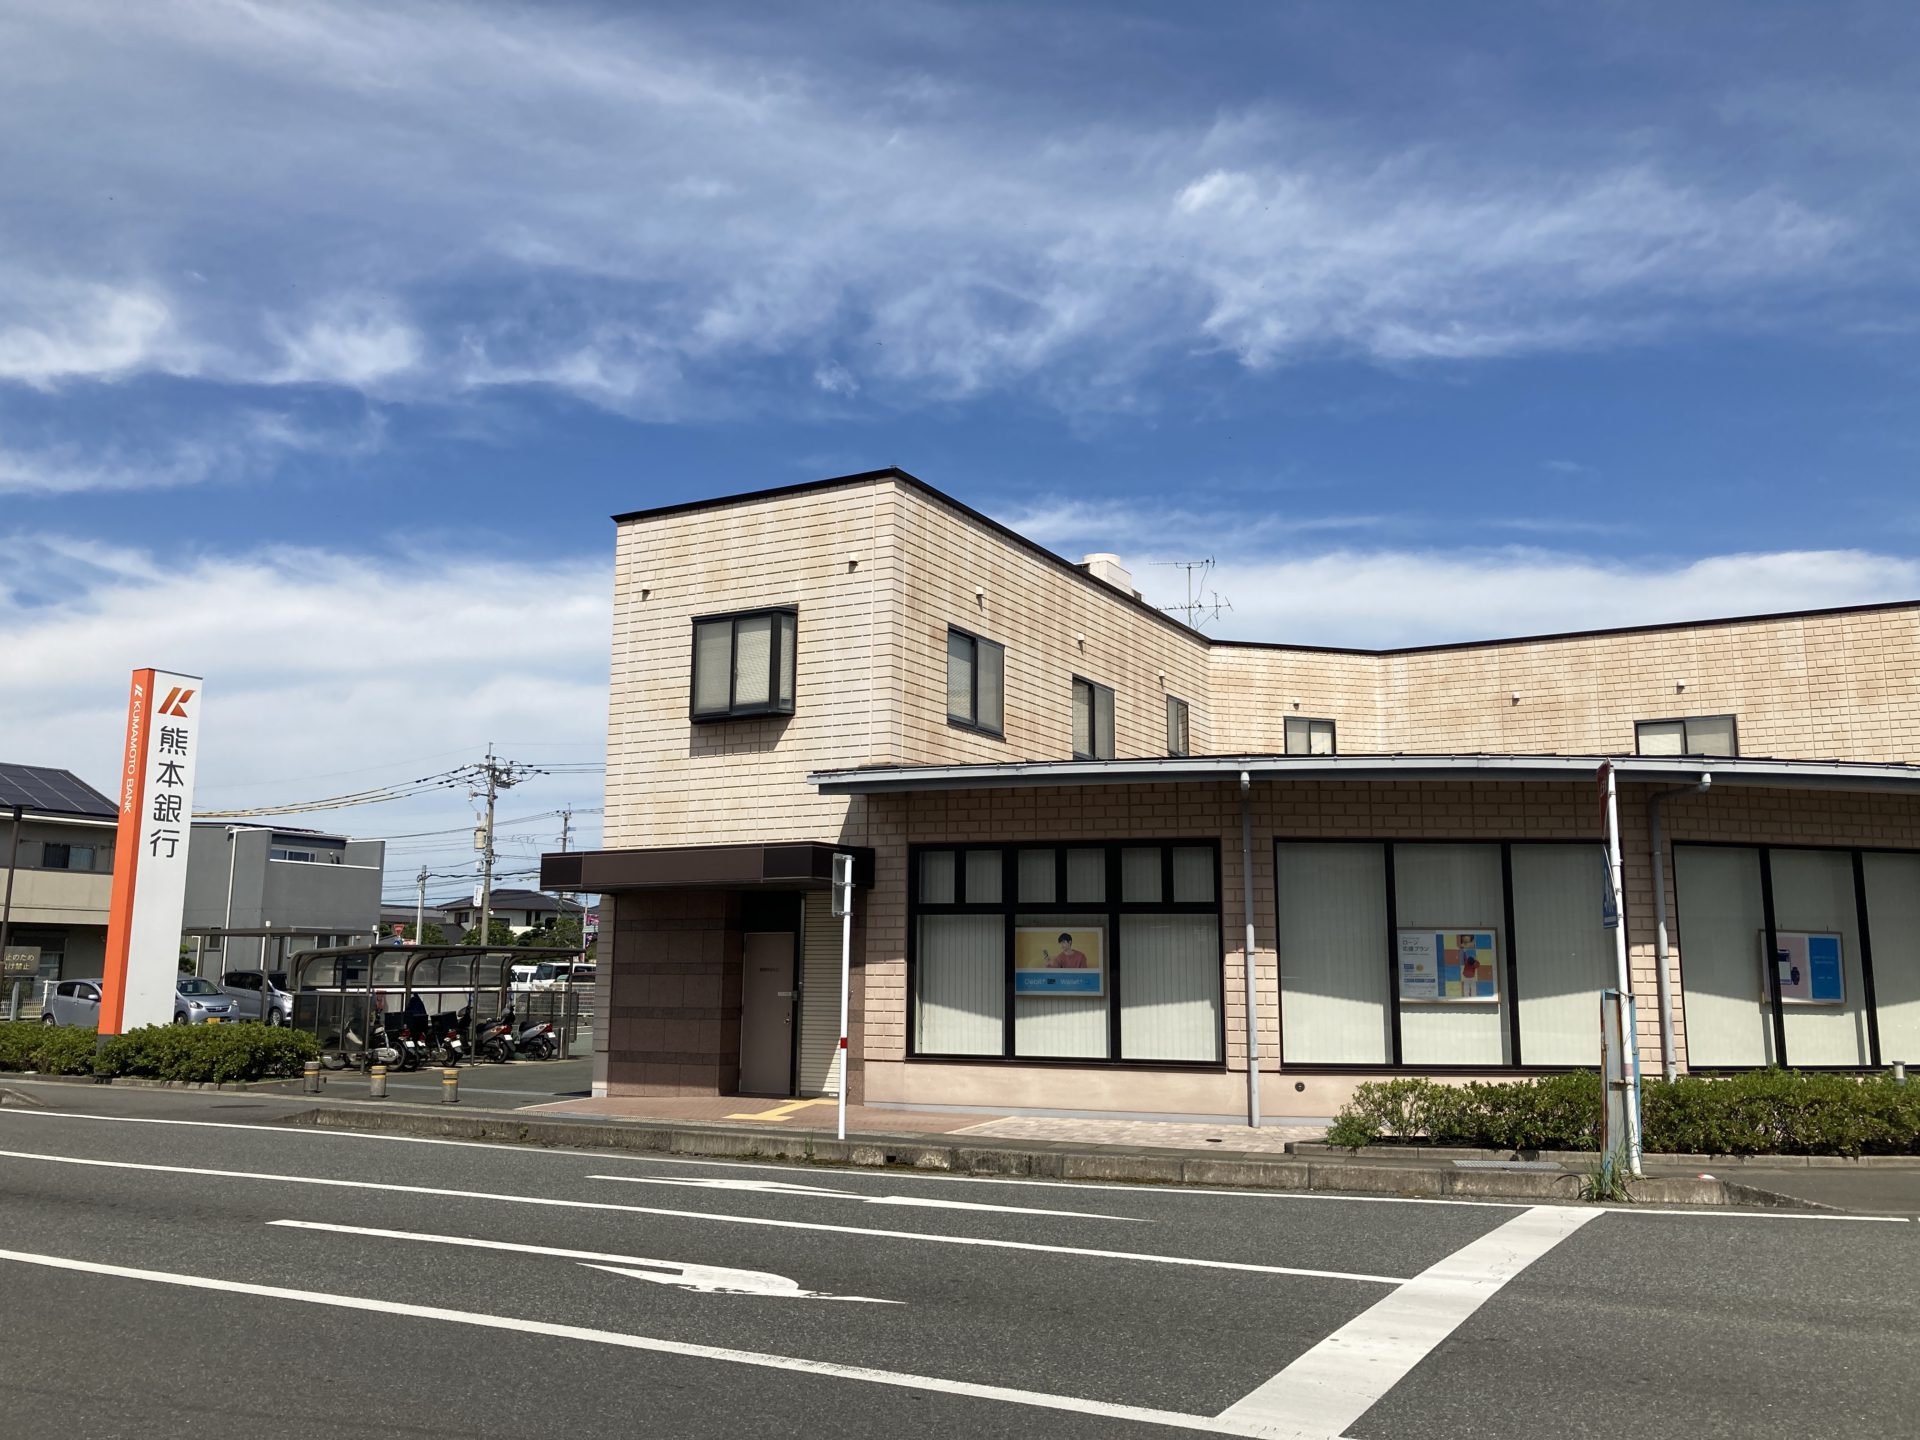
(818, 1192)
(1336, 1382)
(899, 1173)
(516, 1325)
(756, 1220)
(703, 1279)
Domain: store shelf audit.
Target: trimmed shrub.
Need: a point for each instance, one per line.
(1768, 1112)
(193, 1053)
(203, 1053)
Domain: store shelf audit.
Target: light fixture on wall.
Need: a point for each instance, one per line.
(645, 591)
(853, 563)
(1678, 686)
(980, 596)
(1163, 678)
(1516, 697)
(1080, 640)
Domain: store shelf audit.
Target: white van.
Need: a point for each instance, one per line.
(543, 976)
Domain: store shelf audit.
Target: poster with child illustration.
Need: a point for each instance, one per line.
(1454, 964)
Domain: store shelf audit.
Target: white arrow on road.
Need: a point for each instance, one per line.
(701, 1279)
(822, 1192)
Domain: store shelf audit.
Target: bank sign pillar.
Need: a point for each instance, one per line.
(150, 851)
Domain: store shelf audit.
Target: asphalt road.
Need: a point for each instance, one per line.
(178, 1267)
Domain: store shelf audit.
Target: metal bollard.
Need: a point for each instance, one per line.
(449, 1087)
(310, 1081)
(1899, 1072)
(377, 1083)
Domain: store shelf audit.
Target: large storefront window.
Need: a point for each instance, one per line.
(1068, 952)
(1835, 983)
(1464, 956)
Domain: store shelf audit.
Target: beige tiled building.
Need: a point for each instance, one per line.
(1067, 807)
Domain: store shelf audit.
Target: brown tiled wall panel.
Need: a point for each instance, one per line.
(673, 1024)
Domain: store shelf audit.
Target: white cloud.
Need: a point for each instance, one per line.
(54, 330)
(620, 209)
(324, 672)
(241, 447)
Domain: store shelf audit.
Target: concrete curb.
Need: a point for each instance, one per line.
(1330, 1175)
(1584, 1158)
(134, 1082)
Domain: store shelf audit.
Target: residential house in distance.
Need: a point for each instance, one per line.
(519, 910)
(56, 853)
(1109, 863)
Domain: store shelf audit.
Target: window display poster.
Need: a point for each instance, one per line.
(1442, 965)
(1810, 972)
(1067, 959)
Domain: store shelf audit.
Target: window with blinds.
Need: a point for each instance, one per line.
(1107, 952)
(743, 664)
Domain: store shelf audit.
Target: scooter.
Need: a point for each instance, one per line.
(448, 1048)
(493, 1039)
(537, 1040)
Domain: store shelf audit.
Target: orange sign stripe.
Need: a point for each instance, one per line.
(126, 859)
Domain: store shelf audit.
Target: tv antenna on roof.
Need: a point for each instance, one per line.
(1201, 604)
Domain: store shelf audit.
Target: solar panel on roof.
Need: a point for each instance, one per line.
(58, 792)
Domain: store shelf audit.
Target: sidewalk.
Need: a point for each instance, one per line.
(946, 1143)
(819, 1115)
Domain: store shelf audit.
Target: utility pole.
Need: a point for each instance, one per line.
(420, 908)
(498, 777)
(6, 907)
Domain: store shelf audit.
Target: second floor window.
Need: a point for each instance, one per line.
(1309, 737)
(976, 682)
(743, 664)
(54, 856)
(1694, 735)
(1177, 727)
(1092, 720)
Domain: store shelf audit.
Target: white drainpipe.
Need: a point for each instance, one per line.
(1246, 896)
(1669, 1066)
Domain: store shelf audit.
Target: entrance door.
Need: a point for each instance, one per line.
(766, 1014)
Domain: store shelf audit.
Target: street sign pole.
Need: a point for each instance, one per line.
(843, 907)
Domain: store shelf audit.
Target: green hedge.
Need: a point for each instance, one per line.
(196, 1053)
(1767, 1112)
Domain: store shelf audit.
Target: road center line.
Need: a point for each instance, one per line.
(518, 1326)
(753, 1220)
(1336, 1382)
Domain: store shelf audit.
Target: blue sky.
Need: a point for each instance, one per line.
(330, 334)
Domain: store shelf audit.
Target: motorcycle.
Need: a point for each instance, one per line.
(537, 1040)
(405, 1035)
(493, 1039)
(446, 1047)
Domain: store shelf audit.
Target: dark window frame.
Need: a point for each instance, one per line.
(1687, 752)
(775, 707)
(1333, 732)
(1094, 691)
(1111, 909)
(969, 723)
(1509, 961)
(1776, 1019)
(1175, 705)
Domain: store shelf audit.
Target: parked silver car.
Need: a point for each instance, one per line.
(244, 987)
(195, 1002)
(73, 1002)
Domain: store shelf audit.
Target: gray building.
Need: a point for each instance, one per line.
(321, 889)
(56, 865)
